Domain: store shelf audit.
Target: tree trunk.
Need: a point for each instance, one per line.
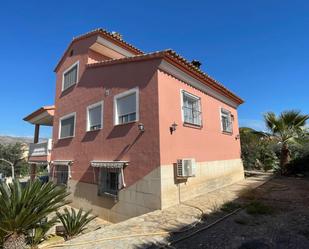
(15, 241)
(284, 157)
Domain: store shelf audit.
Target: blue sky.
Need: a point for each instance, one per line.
(258, 49)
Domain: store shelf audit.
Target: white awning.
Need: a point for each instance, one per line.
(109, 164)
(39, 162)
(62, 162)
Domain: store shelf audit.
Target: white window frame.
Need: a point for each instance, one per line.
(124, 94)
(182, 92)
(101, 103)
(225, 111)
(73, 114)
(68, 69)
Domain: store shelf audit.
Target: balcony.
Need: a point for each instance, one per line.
(40, 152)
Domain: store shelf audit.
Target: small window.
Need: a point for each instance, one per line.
(62, 175)
(191, 109)
(126, 107)
(67, 126)
(95, 117)
(70, 76)
(110, 181)
(226, 121)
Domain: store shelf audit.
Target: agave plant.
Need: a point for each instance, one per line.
(74, 223)
(23, 208)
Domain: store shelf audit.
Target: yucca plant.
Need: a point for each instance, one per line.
(74, 222)
(23, 208)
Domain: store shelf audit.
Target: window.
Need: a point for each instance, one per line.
(110, 181)
(70, 76)
(62, 175)
(191, 109)
(95, 117)
(226, 121)
(67, 126)
(126, 106)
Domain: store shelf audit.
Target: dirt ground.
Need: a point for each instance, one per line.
(285, 224)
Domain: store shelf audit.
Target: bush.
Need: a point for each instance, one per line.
(74, 223)
(258, 208)
(299, 165)
(257, 152)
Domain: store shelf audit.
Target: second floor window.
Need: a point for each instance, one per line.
(70, 76)
(67, 126)
(191, 109)
(126, 107)
(95, 117)
(226, 121)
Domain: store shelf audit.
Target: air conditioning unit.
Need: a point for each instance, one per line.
(185, 167)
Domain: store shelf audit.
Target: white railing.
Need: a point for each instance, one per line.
(40, 149)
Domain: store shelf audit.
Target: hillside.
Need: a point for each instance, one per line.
(12, 140)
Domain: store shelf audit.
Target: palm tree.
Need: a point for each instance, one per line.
(23, 208)
(286, 128)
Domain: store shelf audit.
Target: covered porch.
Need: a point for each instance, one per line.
(40, 152)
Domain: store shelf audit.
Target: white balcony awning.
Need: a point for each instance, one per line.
(109, 164)
(62, 162)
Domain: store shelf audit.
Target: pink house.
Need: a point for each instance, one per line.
(134, 132)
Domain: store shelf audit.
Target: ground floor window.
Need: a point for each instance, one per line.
(62, 173)
(110, 181)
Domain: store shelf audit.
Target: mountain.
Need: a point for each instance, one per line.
(13, 140)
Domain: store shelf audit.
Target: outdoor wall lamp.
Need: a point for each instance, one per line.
(141, 127)
(173, 127)
(237, 137)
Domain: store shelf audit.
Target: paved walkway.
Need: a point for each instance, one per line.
(155, 227)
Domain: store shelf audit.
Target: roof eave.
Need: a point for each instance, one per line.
(107, 36)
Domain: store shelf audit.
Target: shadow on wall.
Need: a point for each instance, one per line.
(82, 189)
(120, 130)
(62, 142)
(90, 136)
(87, 195)
(127, 148)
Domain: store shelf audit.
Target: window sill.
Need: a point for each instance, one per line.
(194, 126)
(128, 123)
(108, 195)
(62, 138)
(97, 130)
(227, 133)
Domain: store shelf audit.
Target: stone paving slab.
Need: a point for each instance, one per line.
(155, 227)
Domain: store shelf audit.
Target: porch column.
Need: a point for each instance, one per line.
(35, 140)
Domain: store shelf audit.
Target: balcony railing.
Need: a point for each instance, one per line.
(40, 149)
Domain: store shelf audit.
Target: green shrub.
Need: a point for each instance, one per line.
(258, 208)
(257, 152)
(230, 206)
(74, 223)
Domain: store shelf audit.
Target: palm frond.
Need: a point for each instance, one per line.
(21, 209)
